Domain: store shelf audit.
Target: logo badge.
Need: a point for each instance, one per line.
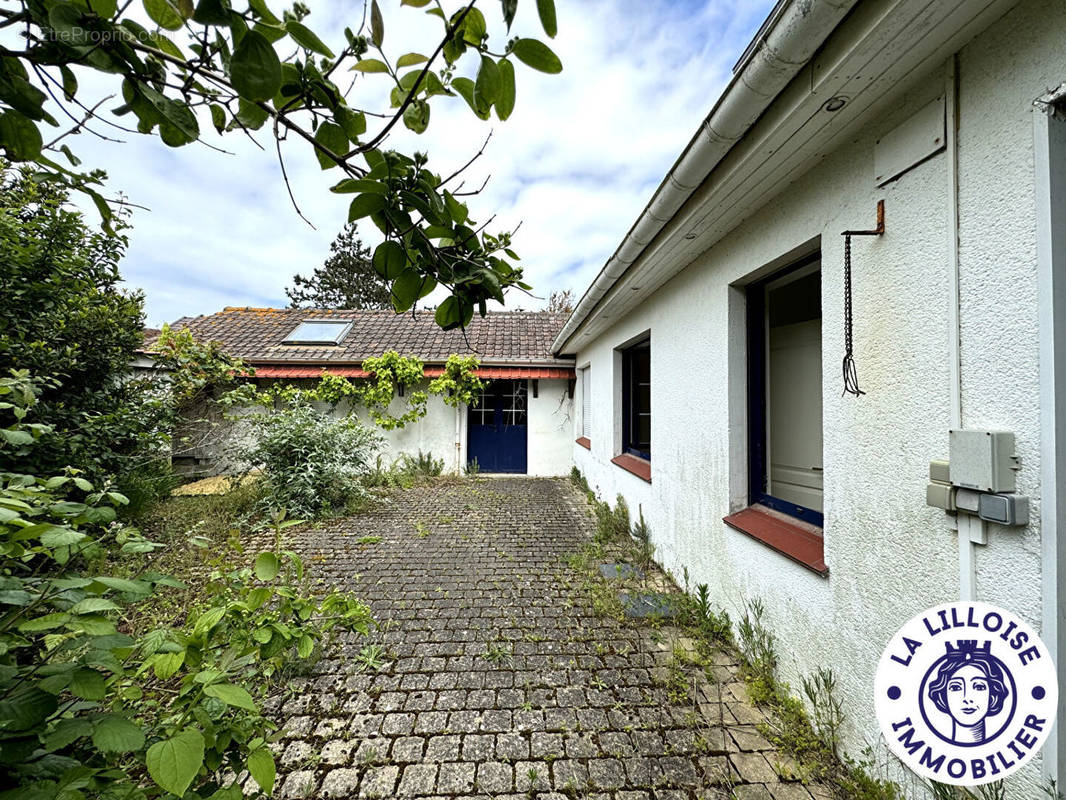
(965, 693)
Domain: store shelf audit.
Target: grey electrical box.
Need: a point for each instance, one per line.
(939, 472)
(982, 460)
(1004, 509)
(940, 495)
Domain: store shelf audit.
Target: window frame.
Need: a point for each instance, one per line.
(586, 403)
(629, 446)
(758, 434)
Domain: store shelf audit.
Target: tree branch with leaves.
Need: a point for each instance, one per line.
(219, 60)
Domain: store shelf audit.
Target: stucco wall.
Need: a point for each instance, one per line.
(548, 434)
(889, 555)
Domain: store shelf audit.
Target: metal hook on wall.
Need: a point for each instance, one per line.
(851, 377)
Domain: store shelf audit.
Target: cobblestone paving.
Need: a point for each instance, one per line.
(499, 678)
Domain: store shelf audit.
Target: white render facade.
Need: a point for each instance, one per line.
(957, 323)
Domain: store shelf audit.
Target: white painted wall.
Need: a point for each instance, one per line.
(550, 424)
(889, 555)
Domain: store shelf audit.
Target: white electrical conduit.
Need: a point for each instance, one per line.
(971, 529)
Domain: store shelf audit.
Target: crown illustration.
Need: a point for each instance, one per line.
(967, 647)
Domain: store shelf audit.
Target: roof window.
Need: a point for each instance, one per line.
(319, 331)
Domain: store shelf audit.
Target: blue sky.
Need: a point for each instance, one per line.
(575, 163)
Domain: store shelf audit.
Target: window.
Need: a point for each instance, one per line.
(785, 391)
(319, 331)
(636, 400)
(586, 404)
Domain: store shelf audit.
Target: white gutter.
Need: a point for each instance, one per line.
(787, 45)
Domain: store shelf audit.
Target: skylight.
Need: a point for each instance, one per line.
(319, 331)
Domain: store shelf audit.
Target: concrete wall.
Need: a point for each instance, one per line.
(888, 554)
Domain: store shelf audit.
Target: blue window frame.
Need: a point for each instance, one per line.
(636, 399)
(780, 306)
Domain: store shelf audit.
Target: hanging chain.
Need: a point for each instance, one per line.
(851, 377)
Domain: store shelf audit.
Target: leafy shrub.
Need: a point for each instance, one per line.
(612, 525)
(424, 465)
(126, 713)
(312, 462)
(645, 549)
(146, 487)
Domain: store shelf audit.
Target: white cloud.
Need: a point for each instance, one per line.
(576, 162)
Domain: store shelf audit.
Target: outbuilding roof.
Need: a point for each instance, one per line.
(257, 336)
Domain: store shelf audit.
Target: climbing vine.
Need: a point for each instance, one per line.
(459, 385)
(390, 372)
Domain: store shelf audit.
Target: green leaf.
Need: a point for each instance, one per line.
(93, 605)
(353, 185)
(231, 695)
(307, 38)
(377, 24)
(261, 766)
(305, 646)
(88, 684)
(66, 732)
(353, 122)
(163, 14)
(46, 623)
(211, 12)
(61, 537)
(250, 115)
(267, 566)
(370, 65)
(537, 55)
(416, 116)
(406, 60)
(165, 665)
(510, 7)
(487, 85)
(405, 289)
(364, 205)
(448, 315)
(22, 142)
(255, 69)
(124, 585)
(546, 10)
(389, 259)
(27, 709)
(415, 3)
(465, 87)
(115, 734)
(174, 762)
(332, 137)
(505, 99)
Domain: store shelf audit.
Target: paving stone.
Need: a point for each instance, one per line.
(607, 773)
(337, 752)
(753, 768)
(455, 778)
(299, 785)
(418, 779)
(572, 695)
(379, 782)
(340, 783)
(495, 777)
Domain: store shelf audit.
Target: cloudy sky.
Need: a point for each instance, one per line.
(575, 163)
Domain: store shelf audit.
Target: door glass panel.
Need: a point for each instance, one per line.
(514, 408)
(483, 411)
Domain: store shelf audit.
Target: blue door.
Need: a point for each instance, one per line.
(496, 428)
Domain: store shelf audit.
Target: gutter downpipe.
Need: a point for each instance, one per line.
(795, 36)
(971, 529)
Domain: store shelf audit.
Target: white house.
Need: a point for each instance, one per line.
(710, 348)
(522, 423)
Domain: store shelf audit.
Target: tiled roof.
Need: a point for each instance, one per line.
(257, 335)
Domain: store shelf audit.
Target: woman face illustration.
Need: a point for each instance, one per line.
(967, 695)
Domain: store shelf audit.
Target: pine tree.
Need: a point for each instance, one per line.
(346, 280)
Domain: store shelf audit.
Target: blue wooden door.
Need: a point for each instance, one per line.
(496, 428)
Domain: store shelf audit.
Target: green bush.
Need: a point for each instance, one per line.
(312, 463)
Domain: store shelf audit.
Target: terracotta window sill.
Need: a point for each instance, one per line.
(584, 442)
(637, 466)
(798, 540)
